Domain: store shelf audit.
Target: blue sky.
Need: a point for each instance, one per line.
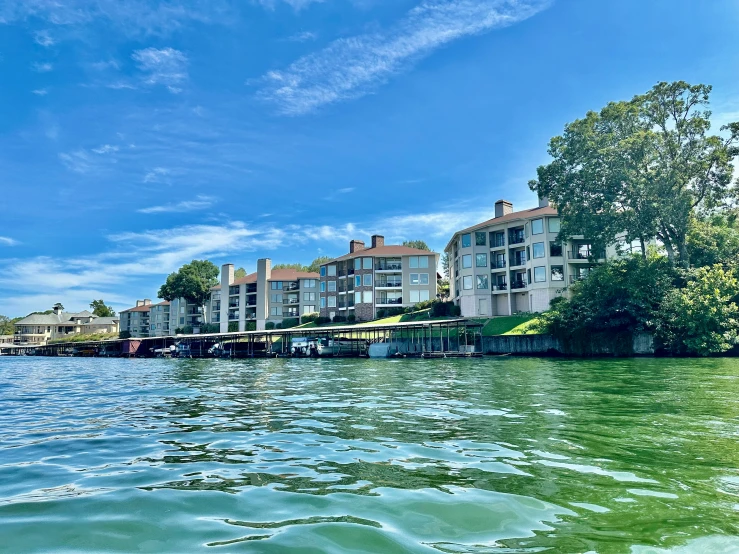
(136, 136)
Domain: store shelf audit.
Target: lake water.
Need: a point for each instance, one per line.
(495, 455)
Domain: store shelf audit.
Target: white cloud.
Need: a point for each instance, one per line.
(297, 5)
(199, 203)
(105, 149)
(351, 67)
(7, 241)
(165, 66)
(40, 92)
(44, 38)
(78, 161)
(43, 67)
(345, 190)
(158, 175)
(305, 36)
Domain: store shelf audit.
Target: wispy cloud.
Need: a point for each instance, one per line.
(158, 175)
(40, 92)
(78, 161)
(305, 36)
(351, 67)
(44, 38)
(165, 66)
(7, 241)
(199, 203)
(42, 67)
(297, 5)
(105, 149)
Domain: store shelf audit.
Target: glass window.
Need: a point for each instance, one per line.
(480, 239)
(332, 271)
(423, 262)
(538, 248)
(357, 280)
(357, 263)
(537, 226)
(466, 240)
(467, 282)
(275, 285)
(323, 271)
(367, 280)
(366, 263)
(415, 297)
(482, 282)
(554, 224)
(481, 260)
(424, 278)
(423, 295)
(309, 296)
(414, 279)
(357, 297)
(331, 301)
(413, 262)
(309, 309)
(540, 274)
(323, 286)
(367, 297)
(555, 249)
(275, 311)
(277, 298)
(309, 284)
(466, 261)
(332, 286)
(558, 273)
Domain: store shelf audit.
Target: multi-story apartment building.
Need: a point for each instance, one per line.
(37, 329)
(369, 279)
(159, 320)
(512, 263)
(268, 295)
(135, 321)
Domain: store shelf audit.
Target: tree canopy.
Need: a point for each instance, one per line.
(642, 168)
(417, 244)
(240, 273)
(101, 310)
(192, 282)
(313, 267)
(6, 325)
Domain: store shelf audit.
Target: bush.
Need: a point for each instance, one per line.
(382, 313)
(208, 328)
(351, 318)
(124, 335)
(269, 325)
(308, 318)
(251, 325)
(233, 326)
(187, 330)
(339, 319)
(290, 322)
(323, 320)
(444, 309)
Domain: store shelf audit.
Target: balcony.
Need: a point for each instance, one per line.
(518, 260)
(497, 264)
(585, 254)
(516, 239)
(497, 242)
(575, 278)
(231, 304)
(389, 301)
(290, 286)
(519, 284)
(389, 266)
(291, 300)
(500, 287)
(389, 283)
(233, 316)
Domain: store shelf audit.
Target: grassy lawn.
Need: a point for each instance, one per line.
(509, 325)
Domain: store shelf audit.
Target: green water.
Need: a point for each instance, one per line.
(496, 455)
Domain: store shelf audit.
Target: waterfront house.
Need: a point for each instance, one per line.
(267, 295)
(38, 329)
(366, 280)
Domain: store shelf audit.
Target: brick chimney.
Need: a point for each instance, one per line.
(377, 241)
(503, 207)
(356, 246)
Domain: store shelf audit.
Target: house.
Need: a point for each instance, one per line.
(367, 280)
(38, 329)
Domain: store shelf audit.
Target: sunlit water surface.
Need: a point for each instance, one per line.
(495, 455)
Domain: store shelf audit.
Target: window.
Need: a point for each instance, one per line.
(331, 301)
(357, 264)
(466, 261)
(466, 240)
(367, 278)
(424, 278)
(558, 273)
(419, 278)
(417, 296)
(414, 279)
(553, 224)
(323, 301)
(323, 286)
(537, 226)
(332, 286)
(275, 285)
(481, 260)
(357, 297)
(413, 262)
(424, 295)
(467, 282)
(482, 282)
(332, 271)
(555, 249)
(182, 309)
(309, 297)
(182, 321)
(367, 297)
(538, 248)
(275, 311)
(540, 274)
(309, 284)
(366, 263)
(357, 280)
(277, 298)
(309, 309)
(480, 239)
(323, 271)
(456, 287)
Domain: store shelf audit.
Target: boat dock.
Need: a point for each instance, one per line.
(421, 339)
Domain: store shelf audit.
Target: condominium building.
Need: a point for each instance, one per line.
(135, 321)
(37, 329)
(268, 295)
(512, 263)
(379, 277)
(159, 320)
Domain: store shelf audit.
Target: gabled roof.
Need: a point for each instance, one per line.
(103, 321)
(383, 251)
(54, 319)
(277, 275)
(146, 308)
(522, 215)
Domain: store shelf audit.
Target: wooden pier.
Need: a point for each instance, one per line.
(429, 339)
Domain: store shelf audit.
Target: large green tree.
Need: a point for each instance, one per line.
(101, 310)
(240, 273)
(642, 168)
(417, 244)
(713, 240)
(6, 325)
(192, 282)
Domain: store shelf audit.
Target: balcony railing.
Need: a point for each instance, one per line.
(291, 300)
(233, 316)
(389, 266)
(290, 286)
(230, 305)
(389, 283)
(518, 260)
(497, 242)
(500, 286)
(497, 264)
(575, 278)
(516, 239)
(585, 255)
(388, 301)
(519, 284)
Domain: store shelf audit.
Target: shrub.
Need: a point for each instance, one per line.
(251, 325)
(381, 314)
(323, 320)
(308, 318)
(124, 335)
(339, 319)
(269, 325)
(187, 330)
(443, 309)
(290, 322)
(233, 326)
(395, 311)
(351, 318)
(207, 328)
